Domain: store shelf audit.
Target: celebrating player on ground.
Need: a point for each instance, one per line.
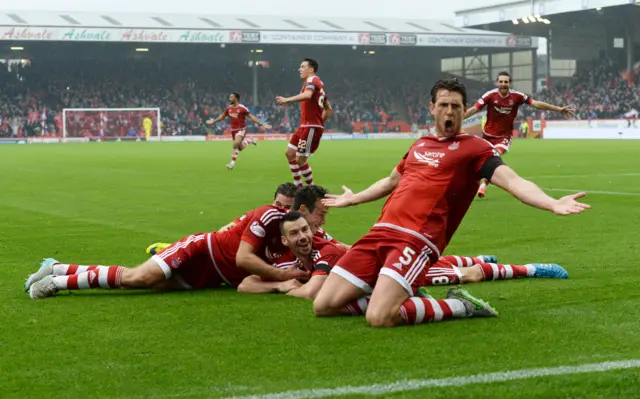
(308, 251)
(203, 260)
(431, 190)
(502, 108)
(238, 115)
(315, 110)
(283, 198)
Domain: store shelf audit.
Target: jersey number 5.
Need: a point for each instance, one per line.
(407, 256)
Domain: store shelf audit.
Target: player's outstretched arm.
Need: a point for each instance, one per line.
(247, 259)
(305, 95)
(226, 227)
(529, 193)
(567, 111)
(377, 190)
(310, 289)
(470, 112)
(218, 119)
(257, 122)
(255, 285)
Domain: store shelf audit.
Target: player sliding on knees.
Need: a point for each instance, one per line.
(502, 108)
(429, 191)
(238, 115)
(315, 110)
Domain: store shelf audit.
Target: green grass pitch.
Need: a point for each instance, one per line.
(104, 203)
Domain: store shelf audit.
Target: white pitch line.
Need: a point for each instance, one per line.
(573, 190)
(582, 176)
(413, 385)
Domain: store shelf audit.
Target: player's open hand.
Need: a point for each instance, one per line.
(266, 126)
(281, 100)
(339, 201)
(568, 112)
(209, 121)
(295, 273)
(289, 285)
(569, 206)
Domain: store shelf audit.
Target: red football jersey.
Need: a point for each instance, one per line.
(261, 228)
(237, 116)
(440, 178)
(312, 108)
(501, 111)
(324, 255)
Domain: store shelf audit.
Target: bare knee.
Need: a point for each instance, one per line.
(376, 318)
(291, 156)
(323, 307)
(472, 274)
(301, 160)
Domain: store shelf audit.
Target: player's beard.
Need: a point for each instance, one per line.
(303, 247)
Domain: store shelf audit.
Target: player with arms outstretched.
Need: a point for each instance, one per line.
(430, 191)
(238, 115)
(502, 108)
(315, 110)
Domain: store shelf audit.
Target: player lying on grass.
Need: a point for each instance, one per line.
(308, 201)
(430, 191)
(308, 252)
(202, 260)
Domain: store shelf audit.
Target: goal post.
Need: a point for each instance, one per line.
(111, 122)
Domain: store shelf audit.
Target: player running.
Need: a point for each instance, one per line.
(238, 115)
(502, 108)
(308, 252)
(315, 110)
(430, 191)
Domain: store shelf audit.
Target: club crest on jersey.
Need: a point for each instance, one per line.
(175, 263)
(454, 146)
(258, 230)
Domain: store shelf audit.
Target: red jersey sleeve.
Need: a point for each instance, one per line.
(485, 154)
(264, 220)
(524, 99)
(226, 112)
(484, 100)
(244, 111)
(313, 83)
(326, 259)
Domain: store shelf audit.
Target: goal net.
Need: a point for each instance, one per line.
(111, 123)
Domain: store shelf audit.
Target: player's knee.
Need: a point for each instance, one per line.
(377, 318)
(322, 307)
(140, 277)
(301, 160)
(472, 274)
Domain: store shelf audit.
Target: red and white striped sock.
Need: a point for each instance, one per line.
(100, 277)
(307, 173)
(493, 271)
(463, 261)
(63, 269)
(359, 307)
(234, 156)
(418, 310)
(295, 172)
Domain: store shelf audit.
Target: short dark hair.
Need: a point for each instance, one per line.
(307, 196)
(503, 73)
(237, 96)
(451, 85)
(286, 189)
(289, 217)
(312, 63)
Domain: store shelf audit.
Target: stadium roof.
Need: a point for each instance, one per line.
(243, 22)
(528, 8)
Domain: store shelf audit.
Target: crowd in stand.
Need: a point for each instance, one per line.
(32, 97)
